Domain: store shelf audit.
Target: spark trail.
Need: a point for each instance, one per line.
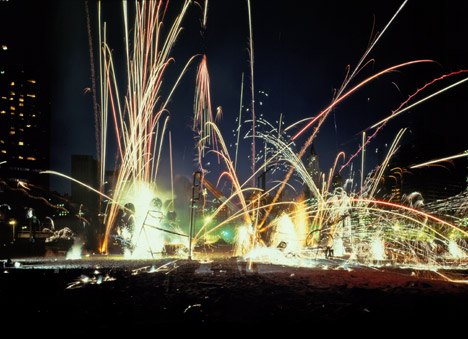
(435, 161)
(398, 111)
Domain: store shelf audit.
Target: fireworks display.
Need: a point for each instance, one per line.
(234, 161)
(274, 204)
(324, 219)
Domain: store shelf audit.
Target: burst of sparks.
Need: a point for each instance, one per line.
(354, 225)
(137, 116)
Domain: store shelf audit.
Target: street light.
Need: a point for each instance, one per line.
(12, 223)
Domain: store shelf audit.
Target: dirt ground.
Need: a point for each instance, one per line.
(109, 295)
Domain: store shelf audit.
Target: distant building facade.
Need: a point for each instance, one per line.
(24, 130)
(24, 97)
(85, 169)
(435, 182)
(313, 169)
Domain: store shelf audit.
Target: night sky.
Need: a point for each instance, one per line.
(300, 58)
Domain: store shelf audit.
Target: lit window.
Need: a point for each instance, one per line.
(4, 47)
(12, 83)
(12, 93)
(20, 157)
(21, 114)
(3, 151)
(20, 143)
(31, 95)
(28, 126)
(31, 158)
(21, 99)
(12, 108)
(32, 81)
(12, 132)
(2, 112)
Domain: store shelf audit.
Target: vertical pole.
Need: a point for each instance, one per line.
(172, 172)
(363, 155)
(192, 212)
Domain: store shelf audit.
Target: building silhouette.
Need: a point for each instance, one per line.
(313, 169)
(24, 130)
(84, 168)
(435, 182)
(24, 97)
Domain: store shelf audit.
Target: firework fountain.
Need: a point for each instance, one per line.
(139, 119)
(331, 222)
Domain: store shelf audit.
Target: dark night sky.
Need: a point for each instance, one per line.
(301, 57)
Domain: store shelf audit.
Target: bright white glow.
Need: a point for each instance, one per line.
(378, 249)
(455, 250)
(74, 252)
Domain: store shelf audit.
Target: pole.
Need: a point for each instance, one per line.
(363, 155)
(192, 212)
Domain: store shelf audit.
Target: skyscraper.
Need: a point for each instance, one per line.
(24, 132)
(312, 166)
(24, 97)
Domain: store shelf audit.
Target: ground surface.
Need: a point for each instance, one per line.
(106, 294)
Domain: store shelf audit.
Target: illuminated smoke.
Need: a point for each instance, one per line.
(75, 251)
(455, 250)
(378, 249)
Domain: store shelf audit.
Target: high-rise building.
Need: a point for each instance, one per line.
(24, 96)
(24, 130)
(313, 165)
